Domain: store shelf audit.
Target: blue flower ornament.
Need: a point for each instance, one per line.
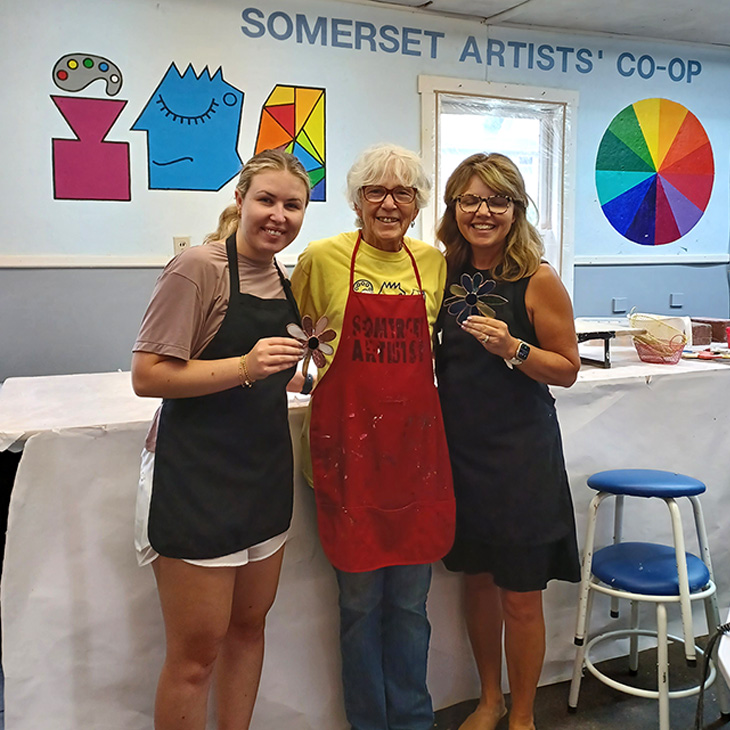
(473, 297)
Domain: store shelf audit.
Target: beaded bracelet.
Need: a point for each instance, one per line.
(243, 375)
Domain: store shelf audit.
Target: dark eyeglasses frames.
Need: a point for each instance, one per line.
(377, 194)
(495, 203)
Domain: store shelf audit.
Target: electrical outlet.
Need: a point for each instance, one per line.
(180, 243)
(676, 300)
(618, 305)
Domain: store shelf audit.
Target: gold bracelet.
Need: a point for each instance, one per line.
(243, 376)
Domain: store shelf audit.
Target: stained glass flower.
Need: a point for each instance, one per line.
(314, 338)
(472, 297)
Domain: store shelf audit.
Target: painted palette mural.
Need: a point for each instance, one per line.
(293, 119)
(654, 171)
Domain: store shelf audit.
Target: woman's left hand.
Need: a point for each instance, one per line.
(493, 335)
(555, 361)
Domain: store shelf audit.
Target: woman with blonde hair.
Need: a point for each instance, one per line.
(215, 496)
(507, 333)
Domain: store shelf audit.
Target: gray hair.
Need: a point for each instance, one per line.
(378, 162)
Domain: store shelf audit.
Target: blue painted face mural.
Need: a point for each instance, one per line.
(192, 124)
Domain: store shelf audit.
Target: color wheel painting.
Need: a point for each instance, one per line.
(654, 172)
(292, 119)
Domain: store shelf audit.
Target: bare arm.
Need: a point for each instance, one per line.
(556, 361)
(169, 377)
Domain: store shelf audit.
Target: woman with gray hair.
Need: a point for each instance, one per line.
(379, 463)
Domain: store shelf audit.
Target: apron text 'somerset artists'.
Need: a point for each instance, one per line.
(380, 464)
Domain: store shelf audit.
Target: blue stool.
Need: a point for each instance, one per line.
(644, 571)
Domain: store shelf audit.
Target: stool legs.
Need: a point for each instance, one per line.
(585, 600)
(684, 600)
(580, 657)
(587, 562)
(634, 639)
(662, 666)
(711, 610)
(701, 534)
(618, 523)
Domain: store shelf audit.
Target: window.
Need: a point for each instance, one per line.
(534, 127)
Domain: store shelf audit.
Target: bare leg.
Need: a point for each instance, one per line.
(484, 624)
(196, 605)
(238, 670)
(524, 645)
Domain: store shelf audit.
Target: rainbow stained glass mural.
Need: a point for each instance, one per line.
(293, 119)
(654, 171)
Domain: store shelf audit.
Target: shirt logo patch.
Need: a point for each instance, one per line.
(363, 286)
(391, 287)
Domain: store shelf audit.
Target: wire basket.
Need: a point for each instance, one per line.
(661, 352)
(660, 342)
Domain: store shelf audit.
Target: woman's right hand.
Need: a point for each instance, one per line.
(159, 376)
(272, 355)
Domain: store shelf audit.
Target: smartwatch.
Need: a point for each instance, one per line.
(523, 350)
(308, 383)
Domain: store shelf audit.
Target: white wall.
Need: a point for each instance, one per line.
(371, 96)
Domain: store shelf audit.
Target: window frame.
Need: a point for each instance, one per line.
(431, 87)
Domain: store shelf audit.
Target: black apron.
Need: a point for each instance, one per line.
(503, 434)
(223, 471)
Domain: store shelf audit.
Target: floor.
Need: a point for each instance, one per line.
(602, 708)
(599, 706)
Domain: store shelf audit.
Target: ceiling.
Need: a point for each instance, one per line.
(695, 21)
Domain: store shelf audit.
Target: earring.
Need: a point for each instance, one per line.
(413, 223)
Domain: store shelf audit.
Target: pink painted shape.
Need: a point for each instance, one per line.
(88, 168)
(90, 119)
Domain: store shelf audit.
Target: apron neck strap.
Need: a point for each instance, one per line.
(232, 253)
(288, 293)
(403, 243)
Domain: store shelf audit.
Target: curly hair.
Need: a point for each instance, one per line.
(378, 162)
(524, 248)
(261, 162)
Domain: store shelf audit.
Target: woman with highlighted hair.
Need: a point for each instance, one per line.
(380, 467)
(215, 497)
(507, 332)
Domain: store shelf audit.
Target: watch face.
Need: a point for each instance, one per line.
(522, 351)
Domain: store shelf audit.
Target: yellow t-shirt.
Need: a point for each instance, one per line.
(321, 280)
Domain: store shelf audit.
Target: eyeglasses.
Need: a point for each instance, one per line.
(495, 203)
(377, 194)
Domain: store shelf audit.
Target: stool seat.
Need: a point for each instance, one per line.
(645, 483)
(647, 568)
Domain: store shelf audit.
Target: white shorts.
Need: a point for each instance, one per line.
(146, 553)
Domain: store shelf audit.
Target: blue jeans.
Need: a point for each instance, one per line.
(384, 636)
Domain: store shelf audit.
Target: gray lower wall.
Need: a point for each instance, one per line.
(703, 289)
(58, 321)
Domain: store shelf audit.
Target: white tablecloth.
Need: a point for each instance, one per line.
(82, 631)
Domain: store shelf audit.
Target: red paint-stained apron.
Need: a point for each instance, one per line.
(381, 469)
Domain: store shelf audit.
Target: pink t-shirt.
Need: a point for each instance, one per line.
(190, 300)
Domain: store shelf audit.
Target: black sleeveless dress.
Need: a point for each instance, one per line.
(514, 512)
